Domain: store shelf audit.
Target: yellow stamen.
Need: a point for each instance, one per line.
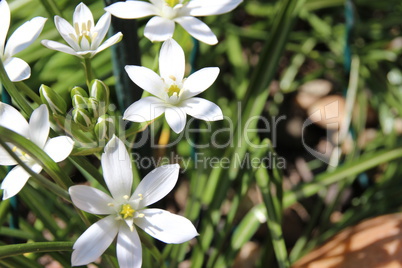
(110, 205)
(141, 215)
(127, 211)
(126, 197)
(173, 89)
(140, 196)
(172, 3)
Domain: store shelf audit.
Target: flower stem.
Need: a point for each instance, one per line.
(88, 71)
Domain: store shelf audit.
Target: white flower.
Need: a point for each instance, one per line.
(84, 37)
(124, 210)
(167, 12)
(174, 95)
(26, 34)
(37, 130)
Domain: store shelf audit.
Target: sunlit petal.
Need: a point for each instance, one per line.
(128, 249)
(171, 61)
(39, 126)
(116, 166)
(131, 9)
(199, 81)
(5, 24)
(59, 148)
(25, 35)
(59, 47)
(101, 28)
(197, 29)
(12, 119)
(176, 118)
(17, 69)
(211, 7)
(94, 241)
(202, 109)
(82, 15)
(91, 200)
(156, 184)
(109, 42)
(165, 226)
(145, 109)
(14, 181)
(67, 32)
(159, 29)
(147, 80)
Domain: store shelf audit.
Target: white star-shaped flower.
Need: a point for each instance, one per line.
(125, 210)
(26, 34)
(37, 130)
(167, 12)
(174, 94)
(83, 37)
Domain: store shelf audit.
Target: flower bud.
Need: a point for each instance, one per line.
(53, 100)
(104, 128)
(93, 105)
(82, 117)
(80, 102)
(78, 91)
(99, 91)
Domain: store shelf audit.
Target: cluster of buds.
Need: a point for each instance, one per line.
(89, 111)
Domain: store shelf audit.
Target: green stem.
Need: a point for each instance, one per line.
(88, 71)
(28, 91)
(11, 250)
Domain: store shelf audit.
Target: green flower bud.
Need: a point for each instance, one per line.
(93, 106)
(104, 128)
(80, 102)
(78, 91)
(99, 91)
(82, 117)
(53, 100)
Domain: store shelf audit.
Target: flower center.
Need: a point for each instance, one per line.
(172, 90)
(127, 211)
(172, 3)
(22, 155)
(83, 34)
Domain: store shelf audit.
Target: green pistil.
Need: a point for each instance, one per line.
(173, 89)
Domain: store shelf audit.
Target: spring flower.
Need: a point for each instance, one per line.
(84, 37)
(173, 95)
(167, 12)
(125, 210)
(26, 34)
(37, 130)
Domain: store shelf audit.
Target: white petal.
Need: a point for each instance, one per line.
(91, 200)
(116, 166)
(202, 109)
(39, 126)
(59, 47)
(65, 29)
(94, 241)
(131, 9)
(199, 81)
(5, 24)
(101, 28)
(197, 29)
(159, 29)
(25, 35)
(147, 80)
(109, 42)
(5, 158)
(83, 15)
(14, 181)
(12, 119)
(145, 109)
(129, 251)
(211, 7)
(165, 226)
(156, 185)
(17, 69)
(176, 118)
(59, 148)
(171, 60)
